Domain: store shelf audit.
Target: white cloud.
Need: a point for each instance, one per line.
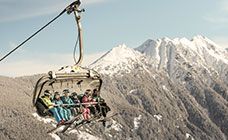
(12, 10)
(44, 64)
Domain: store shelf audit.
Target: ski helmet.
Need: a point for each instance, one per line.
(74, 94)
(66, 91)
(47, 92)
(57, 93)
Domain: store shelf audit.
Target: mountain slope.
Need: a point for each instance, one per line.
(200, 54)
(197, 70)
(164, 89)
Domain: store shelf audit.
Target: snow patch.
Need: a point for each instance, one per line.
(110, 135)
(116, 126)
(113, 125)
(54, 136)
(188, 136)
(45, 120)
(137, 122)
(164, 87)
(84, 136)
(133, 90)
(158, 117)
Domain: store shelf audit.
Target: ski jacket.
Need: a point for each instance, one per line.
(66, 100)
(75, 100)
(86, 99)
(80, 96)
(98, 98)
(47, 102)
(57, 101)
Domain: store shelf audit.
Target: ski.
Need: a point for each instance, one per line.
(52, 130)
(107, 118)
(67, 123)
(84, 122)
(103, 119)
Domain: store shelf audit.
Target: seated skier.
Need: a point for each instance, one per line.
(60, 109)
(87, 98)
(75, 108)
(97, 96)
(47, 101)
(85, 111)
(101, 106)
(67, 100)
(74, 98)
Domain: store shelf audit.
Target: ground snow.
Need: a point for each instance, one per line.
(84, 136)
(188, 136)
(133, 90)
(110, 135)
(116, 126)
(137, 122)
(158, 117)
(81, 135)
(54, 136)
(45, 120)
(164, 87)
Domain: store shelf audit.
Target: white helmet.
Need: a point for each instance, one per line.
(47, 92)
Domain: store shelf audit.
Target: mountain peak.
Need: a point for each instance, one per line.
(202, 40)
(118, 50)
(166, 39)
(118, 58)
(200, 51)
(200, 37)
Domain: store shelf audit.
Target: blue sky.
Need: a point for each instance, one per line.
(106, 24)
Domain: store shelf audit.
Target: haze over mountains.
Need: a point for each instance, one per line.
(163, 89)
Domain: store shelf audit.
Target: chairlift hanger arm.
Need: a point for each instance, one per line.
(74, 7)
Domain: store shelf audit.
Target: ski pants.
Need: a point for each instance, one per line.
(68, 113)
(86, 113)
(63, 113)
(58, 116)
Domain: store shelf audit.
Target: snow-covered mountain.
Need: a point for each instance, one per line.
(163, 89)
(198, 69)
(176, 56)
(199, 54)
